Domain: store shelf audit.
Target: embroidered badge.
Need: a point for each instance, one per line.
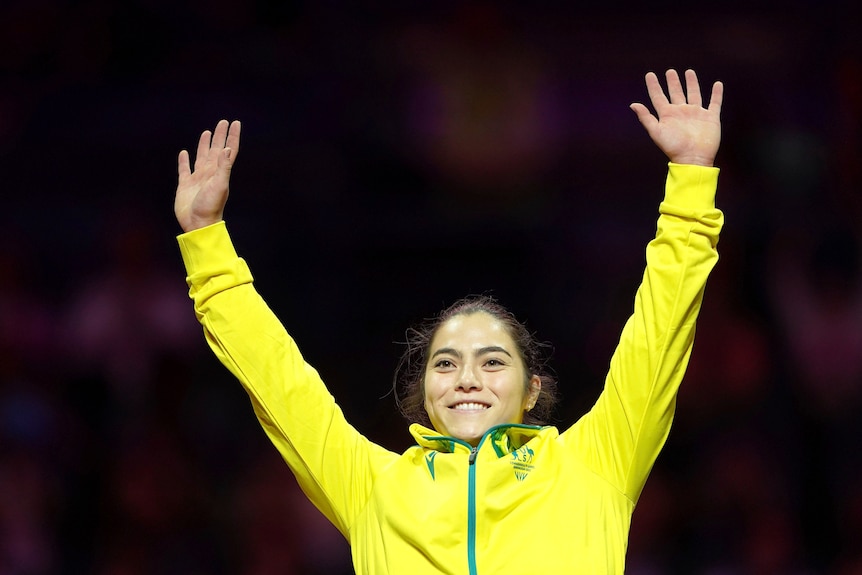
(522, 462)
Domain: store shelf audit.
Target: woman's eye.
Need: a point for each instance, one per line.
(494, 363)
(443, 363)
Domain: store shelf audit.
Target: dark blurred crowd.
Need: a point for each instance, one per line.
(394, 158)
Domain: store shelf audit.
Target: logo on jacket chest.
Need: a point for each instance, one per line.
(521, 461)
(429, 461)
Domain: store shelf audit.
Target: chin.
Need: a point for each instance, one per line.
(470, 435)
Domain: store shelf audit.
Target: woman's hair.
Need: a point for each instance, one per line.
(409, 381)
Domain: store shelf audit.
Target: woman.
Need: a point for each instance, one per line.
(481, 492)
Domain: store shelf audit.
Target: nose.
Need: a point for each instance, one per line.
(468, 380)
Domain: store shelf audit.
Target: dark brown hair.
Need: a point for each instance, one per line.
(409, 380)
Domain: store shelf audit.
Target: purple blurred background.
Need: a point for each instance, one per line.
(395, 157)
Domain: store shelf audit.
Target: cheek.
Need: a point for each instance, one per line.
(429, 388)
(514, 390)
(430, 400)
(426, 395)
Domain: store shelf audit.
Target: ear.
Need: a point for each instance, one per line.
(535, 387)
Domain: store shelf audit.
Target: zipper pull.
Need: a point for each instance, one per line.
(473, 452)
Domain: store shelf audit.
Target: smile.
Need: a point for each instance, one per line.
(469, 406)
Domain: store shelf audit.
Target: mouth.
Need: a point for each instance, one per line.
(469, 406)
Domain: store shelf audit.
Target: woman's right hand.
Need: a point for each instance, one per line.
(202, 193)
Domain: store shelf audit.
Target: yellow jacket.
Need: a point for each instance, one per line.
(527, 499)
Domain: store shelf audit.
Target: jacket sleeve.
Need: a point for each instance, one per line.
(333, 463)
(622, 435)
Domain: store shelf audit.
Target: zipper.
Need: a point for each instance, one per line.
(471, 510)
(471, 487)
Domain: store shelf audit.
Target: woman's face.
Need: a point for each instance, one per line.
(475, 378)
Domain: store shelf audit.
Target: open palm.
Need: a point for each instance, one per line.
(202, 193)
(685, 130)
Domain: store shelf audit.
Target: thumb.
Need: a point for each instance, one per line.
(225, 159)
(644, 116)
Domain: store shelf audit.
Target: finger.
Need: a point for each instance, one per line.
(233, 139)
(674, 87)
(644, 116)
(203, 149)
(225, 159)
(716, 98)
(692, 88)
(219, 136)
(183, 165)
(656, 94)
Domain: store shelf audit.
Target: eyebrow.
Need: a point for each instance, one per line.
(480, 351)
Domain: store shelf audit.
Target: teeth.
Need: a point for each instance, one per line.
(469, 406)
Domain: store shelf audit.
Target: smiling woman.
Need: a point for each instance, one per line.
(486, 473)
(473, 382)
(522, 351)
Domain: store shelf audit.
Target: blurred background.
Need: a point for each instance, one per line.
(395, 157)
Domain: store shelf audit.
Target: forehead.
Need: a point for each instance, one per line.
(477, 328)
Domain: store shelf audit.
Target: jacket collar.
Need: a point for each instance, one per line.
(503, 439)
